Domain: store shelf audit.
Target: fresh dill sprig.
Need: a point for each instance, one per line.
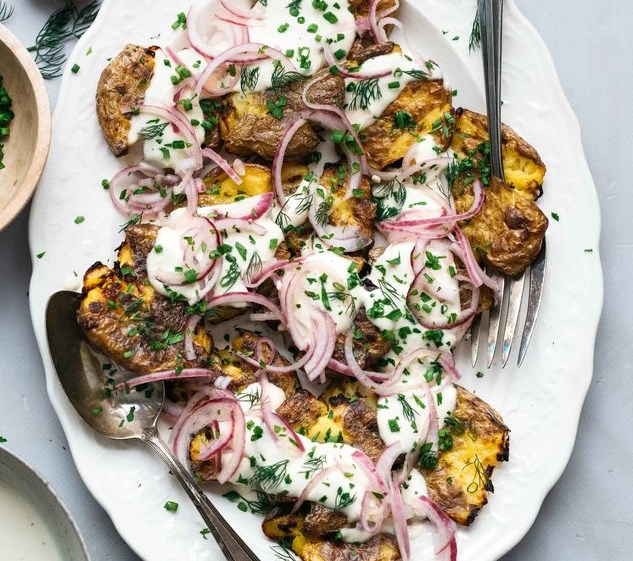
(305, 203)
(390, 293)
(281, 78)
(254, 267)
(365, 91)
(343, 499)
(282, 552)
(474, 42)
(417, 74)
(69, 22)
(312, 465)
(6, 10)
(270, 477)
(480, 479)
(134, 219)
(247, 397)
(261, 505)
(393, 191)
(323, 211)
(153, 130)
(407, 411)
(248, 79)
(233, 273)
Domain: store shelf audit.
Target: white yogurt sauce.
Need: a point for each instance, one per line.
(24, 534)
(342, 489)
(242, 253)
(159, 136)
(404, 417)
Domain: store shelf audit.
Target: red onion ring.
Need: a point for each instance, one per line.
(343, 71)
(445, 527)
(447, 361)
(420, 284)
(251, 208)
(167, 375)
(190, 328)
(226, 167)
(464, 251)
(399, 518)
(182, 126)
(241, 298)
(245, 16)
(278, 159)
(239, 224)
(474, 209)
(199, 44)
(314, 481)
(124, 179)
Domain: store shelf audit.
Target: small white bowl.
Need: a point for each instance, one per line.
(35, 524)
(26, 148)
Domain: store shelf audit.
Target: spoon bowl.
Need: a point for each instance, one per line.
(86, 377)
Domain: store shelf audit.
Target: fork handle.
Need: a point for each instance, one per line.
(490, 19)
(230, 543)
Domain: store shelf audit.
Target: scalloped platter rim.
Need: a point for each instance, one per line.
(541, 403)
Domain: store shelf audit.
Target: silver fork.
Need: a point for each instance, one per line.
(510, 289)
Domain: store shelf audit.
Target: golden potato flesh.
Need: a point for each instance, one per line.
(461, 481)
(509, 230)
(122, 85)
(221, 189)
(522, 166)
(125, 318)
(357, 211)
(290, 529)
(427, 104)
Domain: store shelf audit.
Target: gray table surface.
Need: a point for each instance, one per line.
(587, 514)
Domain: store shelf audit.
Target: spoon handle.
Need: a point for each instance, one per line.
(230, 543)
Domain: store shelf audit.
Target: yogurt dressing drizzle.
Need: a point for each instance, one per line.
(341, 489)
(331, 282)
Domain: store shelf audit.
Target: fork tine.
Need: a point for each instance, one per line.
(535, 290)
(495, 318)
(474, 339)
(512, 317)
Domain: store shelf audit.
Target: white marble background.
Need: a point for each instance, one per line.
(587, 516)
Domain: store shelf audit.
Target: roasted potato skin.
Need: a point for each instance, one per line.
(121, 312)
(360, 8)
(112, 312)
(247, 127)
(369, 343)
(429, 103)
(461, 481)
(122, 85)
(290, 529)
(357, 211)
(509, 230)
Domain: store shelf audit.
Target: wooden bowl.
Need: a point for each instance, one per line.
(26, 147)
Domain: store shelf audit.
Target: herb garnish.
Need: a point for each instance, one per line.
(6, 116)
(474, 42)
(69, 22)
(248, 79)
(261, 505)
(6, 10)
(280, 77)
(365, 92)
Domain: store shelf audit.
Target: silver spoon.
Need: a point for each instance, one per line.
(125, 415)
